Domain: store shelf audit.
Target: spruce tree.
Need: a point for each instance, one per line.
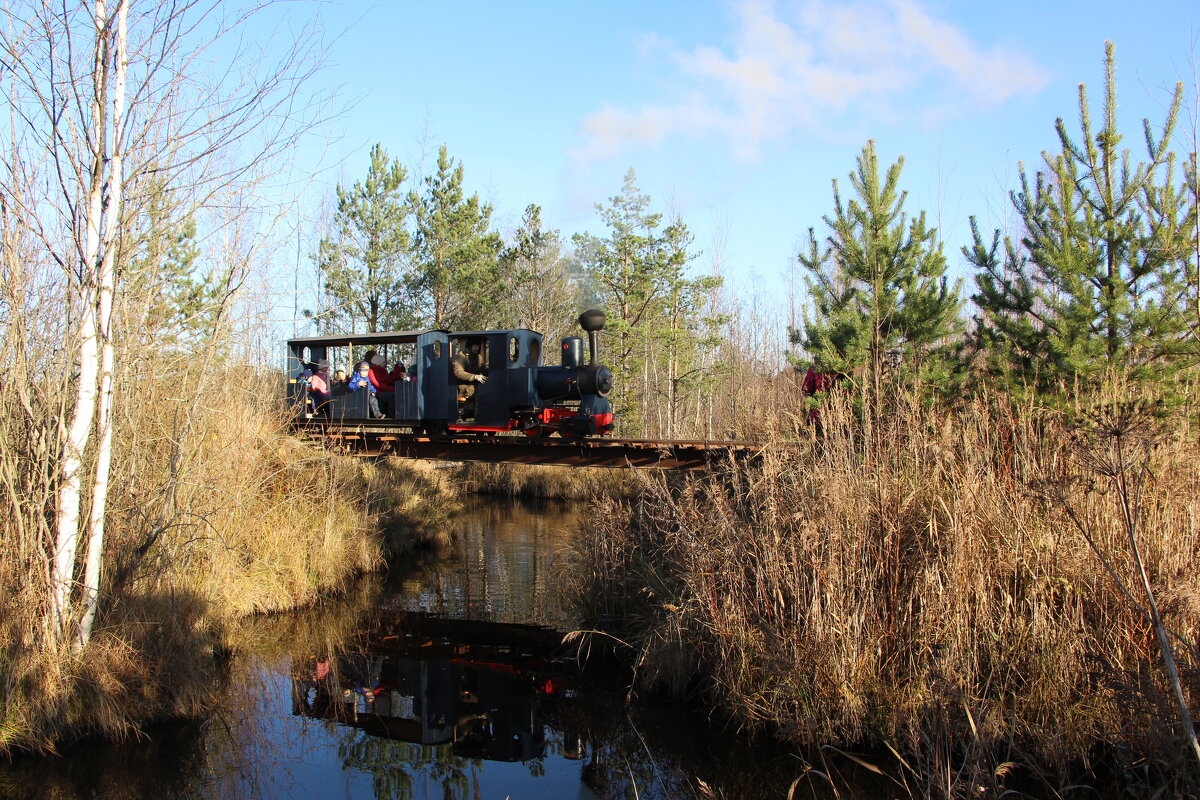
(455, 252)
(878, 290)
(364, 263)
(1098, 279)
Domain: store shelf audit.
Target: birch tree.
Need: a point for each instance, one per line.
(107, 99)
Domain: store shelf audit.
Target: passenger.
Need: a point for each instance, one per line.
(318, 387)
(467, 366)
(338, 384)
(379, 375)
(383, 383)
(361, 381)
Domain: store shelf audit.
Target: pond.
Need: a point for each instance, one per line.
(445, 679)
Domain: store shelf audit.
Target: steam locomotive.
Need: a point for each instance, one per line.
(519, 393)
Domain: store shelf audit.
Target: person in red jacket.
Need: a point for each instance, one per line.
(384, 384)
(379, 375)
(816, 382)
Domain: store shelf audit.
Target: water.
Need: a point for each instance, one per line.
(446, 680)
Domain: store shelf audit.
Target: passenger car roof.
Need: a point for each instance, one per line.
(386, 337)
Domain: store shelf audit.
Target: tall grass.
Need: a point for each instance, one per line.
(215, 513)
(917, 585)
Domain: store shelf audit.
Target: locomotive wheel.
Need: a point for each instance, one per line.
(539, 432)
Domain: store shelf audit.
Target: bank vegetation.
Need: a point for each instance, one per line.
(959, 595)
(215, 514)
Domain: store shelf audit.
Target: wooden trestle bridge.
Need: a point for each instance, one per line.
(380, 439)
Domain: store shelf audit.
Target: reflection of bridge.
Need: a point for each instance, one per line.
(380, 439)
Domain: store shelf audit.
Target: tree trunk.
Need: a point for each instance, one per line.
(70, 492)
(112, 227)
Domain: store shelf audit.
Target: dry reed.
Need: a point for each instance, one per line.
(917, 584)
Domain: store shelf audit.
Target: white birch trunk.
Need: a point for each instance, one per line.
(96, 299)
(112, 227)
(70, 490)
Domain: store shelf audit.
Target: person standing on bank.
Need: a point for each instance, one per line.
(467, 367)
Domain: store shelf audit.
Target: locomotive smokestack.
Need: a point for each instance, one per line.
(592, 321)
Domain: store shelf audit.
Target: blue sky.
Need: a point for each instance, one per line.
(737, 114)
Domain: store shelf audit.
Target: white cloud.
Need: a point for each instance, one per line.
(812, 65)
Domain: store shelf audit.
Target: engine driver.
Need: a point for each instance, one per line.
(467, 367)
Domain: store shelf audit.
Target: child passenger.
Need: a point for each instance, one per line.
(362, 380)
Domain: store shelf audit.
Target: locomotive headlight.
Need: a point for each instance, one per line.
(595, 379)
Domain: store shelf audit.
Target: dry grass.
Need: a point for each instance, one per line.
(214, 514)
(917, 584)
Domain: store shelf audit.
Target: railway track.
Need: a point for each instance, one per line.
(380, 438)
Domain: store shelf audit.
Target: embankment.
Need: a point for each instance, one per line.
(214, 514)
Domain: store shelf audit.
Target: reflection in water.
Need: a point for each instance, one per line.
(503, 566)
(483, 687)
(465, 691)
(448, 682)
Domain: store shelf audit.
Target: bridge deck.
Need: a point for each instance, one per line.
(378, 439)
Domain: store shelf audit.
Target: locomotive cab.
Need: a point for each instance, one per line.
(508, 360)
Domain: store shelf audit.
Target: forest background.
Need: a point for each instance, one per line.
(143, 224)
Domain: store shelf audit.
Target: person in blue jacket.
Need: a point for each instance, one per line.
(361, 380)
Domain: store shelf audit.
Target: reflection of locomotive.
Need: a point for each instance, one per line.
(519, 393)
(484, 687)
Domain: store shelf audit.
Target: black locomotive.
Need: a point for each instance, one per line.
(518, 393)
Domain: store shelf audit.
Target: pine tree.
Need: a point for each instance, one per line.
(685, 338)
(878, 291)
(539, 282)
(634, 269)
(365, 262)
(455, 252)
(1099, 278)
(164, 298)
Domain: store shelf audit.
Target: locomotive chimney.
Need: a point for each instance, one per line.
(592, 321)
